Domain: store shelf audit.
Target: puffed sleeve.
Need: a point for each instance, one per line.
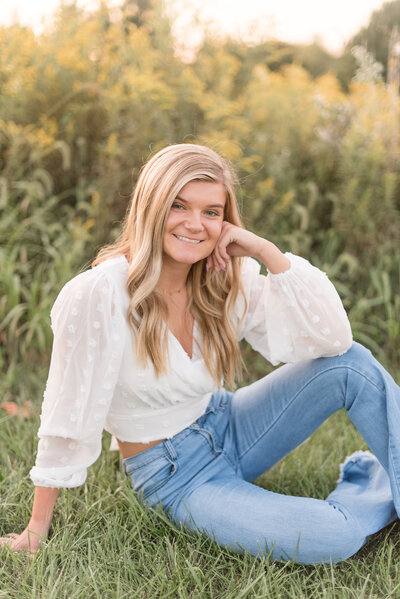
(89, 331)
(292, 316)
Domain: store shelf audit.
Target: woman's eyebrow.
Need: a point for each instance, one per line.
(208, 206)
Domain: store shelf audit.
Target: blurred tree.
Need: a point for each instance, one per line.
(376, 35)
(314, 58)
(84, 104)
(368, 70)
(345, 68)
(138, 12)
(273, 54)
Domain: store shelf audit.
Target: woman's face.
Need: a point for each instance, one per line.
(194, 222)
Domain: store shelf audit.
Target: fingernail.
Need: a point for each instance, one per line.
(207, 268)
(217, 271)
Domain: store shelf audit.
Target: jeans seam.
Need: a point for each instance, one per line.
(240, 456)
(157, 486)
(393, 466)
(208, 437)
(144, 464)
(230, 462)
(177, 442)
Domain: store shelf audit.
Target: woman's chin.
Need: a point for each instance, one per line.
(183, 259)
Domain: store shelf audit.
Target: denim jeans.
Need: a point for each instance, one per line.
(202, 476)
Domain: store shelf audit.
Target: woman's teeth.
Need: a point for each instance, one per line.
(187, 239)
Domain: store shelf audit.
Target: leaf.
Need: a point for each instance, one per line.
(13, 409)
(10, 407)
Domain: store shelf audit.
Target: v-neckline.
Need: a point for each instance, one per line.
(179, 344)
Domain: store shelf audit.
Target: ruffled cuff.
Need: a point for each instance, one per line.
(296, 264)
(58, 478)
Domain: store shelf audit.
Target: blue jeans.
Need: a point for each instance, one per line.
(202, 476)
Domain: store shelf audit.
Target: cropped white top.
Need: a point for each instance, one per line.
(94, 382)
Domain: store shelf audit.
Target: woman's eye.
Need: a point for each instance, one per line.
(212, 213)
(177, 205)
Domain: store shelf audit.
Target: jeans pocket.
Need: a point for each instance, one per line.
(151, 476)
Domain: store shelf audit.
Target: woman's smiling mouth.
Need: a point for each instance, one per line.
(187, 239)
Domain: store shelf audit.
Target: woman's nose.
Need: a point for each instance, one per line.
(194, 223)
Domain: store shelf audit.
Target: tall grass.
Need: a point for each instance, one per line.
(42, 244)
(103, 544)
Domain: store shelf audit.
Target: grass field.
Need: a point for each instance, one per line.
(104, 545)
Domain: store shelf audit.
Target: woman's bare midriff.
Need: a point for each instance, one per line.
(128, 449)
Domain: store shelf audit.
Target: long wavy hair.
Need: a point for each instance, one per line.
(210, 297)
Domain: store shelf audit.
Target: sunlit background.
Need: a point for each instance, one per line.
(332, 23)
(303, 97)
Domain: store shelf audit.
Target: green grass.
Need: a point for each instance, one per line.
(103, 544)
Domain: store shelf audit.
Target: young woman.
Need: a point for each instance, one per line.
(143, 342)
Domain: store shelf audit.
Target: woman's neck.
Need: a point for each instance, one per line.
(173, 278)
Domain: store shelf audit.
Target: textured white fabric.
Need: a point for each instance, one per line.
(94, 382)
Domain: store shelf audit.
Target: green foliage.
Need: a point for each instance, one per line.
(42, 240)
(84, 104)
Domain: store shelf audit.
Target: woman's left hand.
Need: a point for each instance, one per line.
(234, 241)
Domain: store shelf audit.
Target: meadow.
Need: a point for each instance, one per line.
(82, 106)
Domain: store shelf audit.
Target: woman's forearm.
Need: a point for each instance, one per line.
(37, 530)
(42, 510)
(272, 257)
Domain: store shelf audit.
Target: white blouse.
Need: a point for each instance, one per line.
(94, 382)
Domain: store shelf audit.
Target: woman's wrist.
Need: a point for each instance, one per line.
(39, 527)
(271, 256)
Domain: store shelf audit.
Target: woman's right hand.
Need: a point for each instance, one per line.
(38, 528)
(29, 540)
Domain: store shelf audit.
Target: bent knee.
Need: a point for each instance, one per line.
(337, 550)
(357, 350)
(357, 358)
(327, 544)
(336, 543)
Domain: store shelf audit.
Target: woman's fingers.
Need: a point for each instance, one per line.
(8, 540)
(220, 258)
(221, 252)
(4, 540)
(9, 537)
(239, 241)
(217, 262)
(26, 541)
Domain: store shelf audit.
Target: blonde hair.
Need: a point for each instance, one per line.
(211, 297)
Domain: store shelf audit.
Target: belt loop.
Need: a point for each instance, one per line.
(170, 449)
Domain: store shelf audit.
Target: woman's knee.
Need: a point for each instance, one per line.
(322, 532)
(357, 354)
(341, 544)
(331, 545)
(358, 364)
(357, 351)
